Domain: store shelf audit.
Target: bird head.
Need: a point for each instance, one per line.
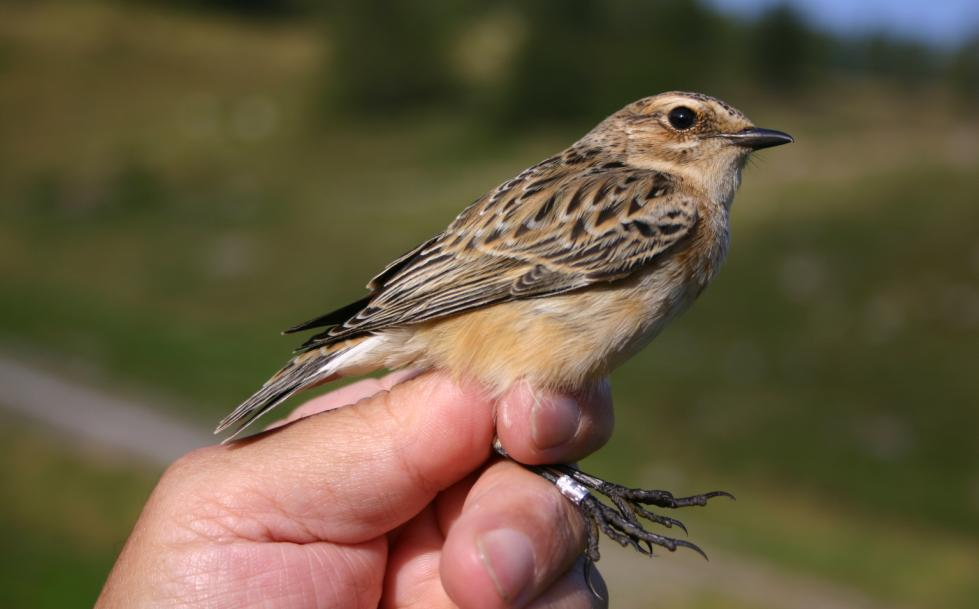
(696, 136)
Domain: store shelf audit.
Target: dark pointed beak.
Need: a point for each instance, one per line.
(757, 138)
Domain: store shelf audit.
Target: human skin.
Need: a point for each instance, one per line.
(396, 502)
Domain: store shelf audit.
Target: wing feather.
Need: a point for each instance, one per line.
(549, 230)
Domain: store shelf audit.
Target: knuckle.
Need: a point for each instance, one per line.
(189, 464)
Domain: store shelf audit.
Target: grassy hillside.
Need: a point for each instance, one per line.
(66, 514)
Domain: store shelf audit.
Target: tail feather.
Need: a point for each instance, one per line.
(298, 374)
(303, 371)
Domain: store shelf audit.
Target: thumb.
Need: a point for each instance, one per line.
(345, 475)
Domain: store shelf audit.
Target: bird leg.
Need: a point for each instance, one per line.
(620, 516)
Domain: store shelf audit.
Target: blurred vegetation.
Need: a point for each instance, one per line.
(370, 39)
(59, 544)
(179, 182)
(569, 61)
(785, 52)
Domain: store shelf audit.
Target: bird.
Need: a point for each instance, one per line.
(554, 278)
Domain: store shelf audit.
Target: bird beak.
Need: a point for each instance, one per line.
(757, 138)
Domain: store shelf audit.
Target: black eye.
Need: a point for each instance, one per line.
(682, 117)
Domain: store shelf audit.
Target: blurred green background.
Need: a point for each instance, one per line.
(181, 180)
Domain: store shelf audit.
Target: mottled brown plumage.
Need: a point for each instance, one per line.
(560, 272)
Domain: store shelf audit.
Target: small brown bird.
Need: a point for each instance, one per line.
(555, 277)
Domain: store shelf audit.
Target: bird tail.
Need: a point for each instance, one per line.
(303, 371)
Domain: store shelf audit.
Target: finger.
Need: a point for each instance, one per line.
(537, 426)
(347, 395)
(412, 575)
(515, 537)
(346, 475)
(412, 578)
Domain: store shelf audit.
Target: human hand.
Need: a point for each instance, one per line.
(391, 503)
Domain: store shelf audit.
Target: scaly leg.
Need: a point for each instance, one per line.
(622, 520)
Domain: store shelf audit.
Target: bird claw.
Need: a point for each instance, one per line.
(621, 517)
(622, 520)
(625, 528)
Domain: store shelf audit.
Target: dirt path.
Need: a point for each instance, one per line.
(132, 427)
(92, 415)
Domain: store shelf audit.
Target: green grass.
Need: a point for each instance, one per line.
(825, 380)
(894, 559)
(65, 515)
(826, 377)
(836, 349)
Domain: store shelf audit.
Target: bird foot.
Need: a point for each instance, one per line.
(620, 517)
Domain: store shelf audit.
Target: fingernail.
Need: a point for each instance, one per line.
(508, 557)
(554, 421)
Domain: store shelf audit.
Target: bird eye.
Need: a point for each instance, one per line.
(682, 117)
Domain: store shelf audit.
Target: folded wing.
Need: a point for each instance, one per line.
(547, 231)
